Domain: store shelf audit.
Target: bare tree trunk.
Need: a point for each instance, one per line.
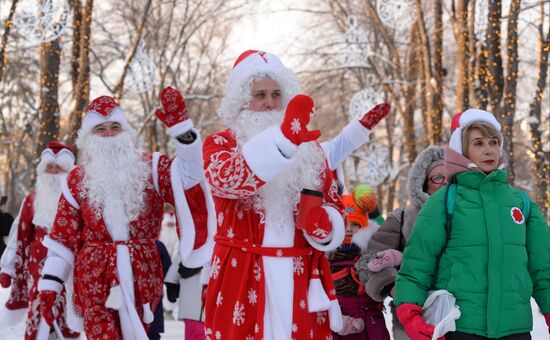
(76, 7)
(438, 73)
(462, 41)
(410, 99)
(507, 114)
(541, 161)
(494, 78)
(81, 93)
(7, 24)
(50, 58)
(427, 84)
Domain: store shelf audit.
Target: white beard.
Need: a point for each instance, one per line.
(48, 192)
(115, 176)
(281, 195)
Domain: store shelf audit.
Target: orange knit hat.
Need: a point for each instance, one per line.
(359, 204)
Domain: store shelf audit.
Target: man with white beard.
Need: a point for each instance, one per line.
(24, 257)
(269, 280)
(110, 213)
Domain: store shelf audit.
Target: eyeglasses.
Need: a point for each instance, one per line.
(437, 179)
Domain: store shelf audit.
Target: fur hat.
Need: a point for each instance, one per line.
(103, 109)
(56, 152)
(419, 172)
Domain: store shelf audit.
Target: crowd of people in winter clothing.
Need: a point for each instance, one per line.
(254, 235)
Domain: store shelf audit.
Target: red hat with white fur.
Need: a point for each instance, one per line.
(58, 153)
(253, 62)
(461, 120)
(103, 109)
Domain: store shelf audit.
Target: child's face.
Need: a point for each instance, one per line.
(352, 228)
(483, 151)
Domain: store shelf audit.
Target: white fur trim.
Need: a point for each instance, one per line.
(66, 192)
(192, 258)
(335, 316)
(11, 317)
(362, 237)
(205, 274)
(287, 148)
(317, 298)
(263, 155)
(92, 118)
(180, 128)
(7, 262)
(353, 136)
(64, 158)
(468, 117)
(114, 300)
(172, 275)
(155, 161)
(59, 249)
(148, 315)
(46, 284)
(43, 331)
(253, 64)
(57, 266)
(338, 231)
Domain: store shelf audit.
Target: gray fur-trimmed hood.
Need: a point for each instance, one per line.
(418, 173)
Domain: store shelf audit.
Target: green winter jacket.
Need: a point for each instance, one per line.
(491, 264)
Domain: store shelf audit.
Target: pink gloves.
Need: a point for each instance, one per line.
(384, 259)
(410, 316)
(5, 280)
(318, 224)
(351, 325)
(297, 116)
(47, 301)
(375, 115)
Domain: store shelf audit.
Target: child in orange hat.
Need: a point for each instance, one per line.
(362, 316)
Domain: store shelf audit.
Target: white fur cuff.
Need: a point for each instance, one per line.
(335, 316)
(45, 284)
(338, 231)
(148, 315)
(114, 300)
(56, 266)
(263, 156)
(180, 128)
(317, 298)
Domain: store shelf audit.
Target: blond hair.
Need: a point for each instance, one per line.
(486, 129)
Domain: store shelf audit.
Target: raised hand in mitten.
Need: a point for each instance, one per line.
(174, 114)
(317, 223)
(375, 115)
(297, 116)
(410, 316)
(5, 280)
(384, 259)
(47, 300)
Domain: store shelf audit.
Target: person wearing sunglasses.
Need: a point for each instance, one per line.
(377, 268)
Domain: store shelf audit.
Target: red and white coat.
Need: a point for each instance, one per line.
(23, 260)
(265, 284)
(106, 264)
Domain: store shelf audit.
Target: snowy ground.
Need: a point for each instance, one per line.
(175, 329)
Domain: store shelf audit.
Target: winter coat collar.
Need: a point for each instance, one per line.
(473, 179)
(418, 173)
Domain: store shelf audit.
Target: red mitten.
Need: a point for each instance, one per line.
(5, 280)
(410, 316)
(384, 259)
(318, 224)
(174, 114)
(547, 318)
(375, 115)
(297, 116)
(47, 300)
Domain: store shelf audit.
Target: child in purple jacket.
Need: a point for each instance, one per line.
(362, 316)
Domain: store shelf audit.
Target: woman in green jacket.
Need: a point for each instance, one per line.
(493, 259)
